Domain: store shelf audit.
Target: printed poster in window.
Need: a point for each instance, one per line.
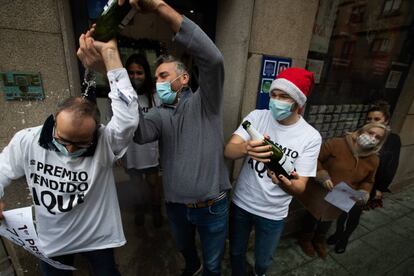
(393, 79)
(271, 66)
(322, 30)
(315, 66)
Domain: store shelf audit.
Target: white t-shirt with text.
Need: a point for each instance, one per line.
(75, 199)
(255, 192)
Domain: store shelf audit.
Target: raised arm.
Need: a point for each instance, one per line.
(149, 128)
(124, 103)
(205, 53)
(96, 55)
(209, 61)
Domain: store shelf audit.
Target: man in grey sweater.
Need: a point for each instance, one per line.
(188, 127)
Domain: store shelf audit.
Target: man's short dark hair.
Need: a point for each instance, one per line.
(81, 108)
(180, 66)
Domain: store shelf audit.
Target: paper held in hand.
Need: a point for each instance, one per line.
(17, 226)
(342, 196)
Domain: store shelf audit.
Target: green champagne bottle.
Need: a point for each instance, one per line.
(279, 162)
(113, 19)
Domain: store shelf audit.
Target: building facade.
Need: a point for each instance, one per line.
(360, 51)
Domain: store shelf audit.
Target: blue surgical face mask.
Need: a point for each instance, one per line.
(280, 109)
(62, 149)
(164, 91)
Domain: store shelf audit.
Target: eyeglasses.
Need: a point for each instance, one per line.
(64, 142)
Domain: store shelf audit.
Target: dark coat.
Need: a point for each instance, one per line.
(389, 159)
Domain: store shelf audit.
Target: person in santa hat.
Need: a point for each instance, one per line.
(261, 198)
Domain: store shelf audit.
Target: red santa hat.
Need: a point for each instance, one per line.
(296, 82)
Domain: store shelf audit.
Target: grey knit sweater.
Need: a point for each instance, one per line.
(190, 134)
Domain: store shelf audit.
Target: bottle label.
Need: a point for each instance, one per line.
(286, 164)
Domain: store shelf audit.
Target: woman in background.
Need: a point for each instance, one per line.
(142, 161)
(351, 159)
(389, 157)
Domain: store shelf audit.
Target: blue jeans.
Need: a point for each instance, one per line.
(211, 224)
(102, 263)
(267, 235)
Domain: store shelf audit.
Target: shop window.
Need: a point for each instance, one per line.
(355, 65)
(380, 46)
(203, 12)
(391, 7)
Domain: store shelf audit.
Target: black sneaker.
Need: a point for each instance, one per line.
(192, 272)
(340, 246)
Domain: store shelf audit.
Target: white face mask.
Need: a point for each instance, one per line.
(366, 141)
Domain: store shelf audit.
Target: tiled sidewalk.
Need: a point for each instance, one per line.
(383, 244)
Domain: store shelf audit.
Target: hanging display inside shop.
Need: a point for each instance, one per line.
(271, 67)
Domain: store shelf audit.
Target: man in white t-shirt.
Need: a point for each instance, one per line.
(67, 163)
(261, 198)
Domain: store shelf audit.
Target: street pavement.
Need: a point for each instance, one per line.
(383, 243)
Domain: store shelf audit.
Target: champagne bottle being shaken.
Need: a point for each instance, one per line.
(113, 19)
(279, 162)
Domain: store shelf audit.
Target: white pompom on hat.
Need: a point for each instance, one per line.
(296, 82)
